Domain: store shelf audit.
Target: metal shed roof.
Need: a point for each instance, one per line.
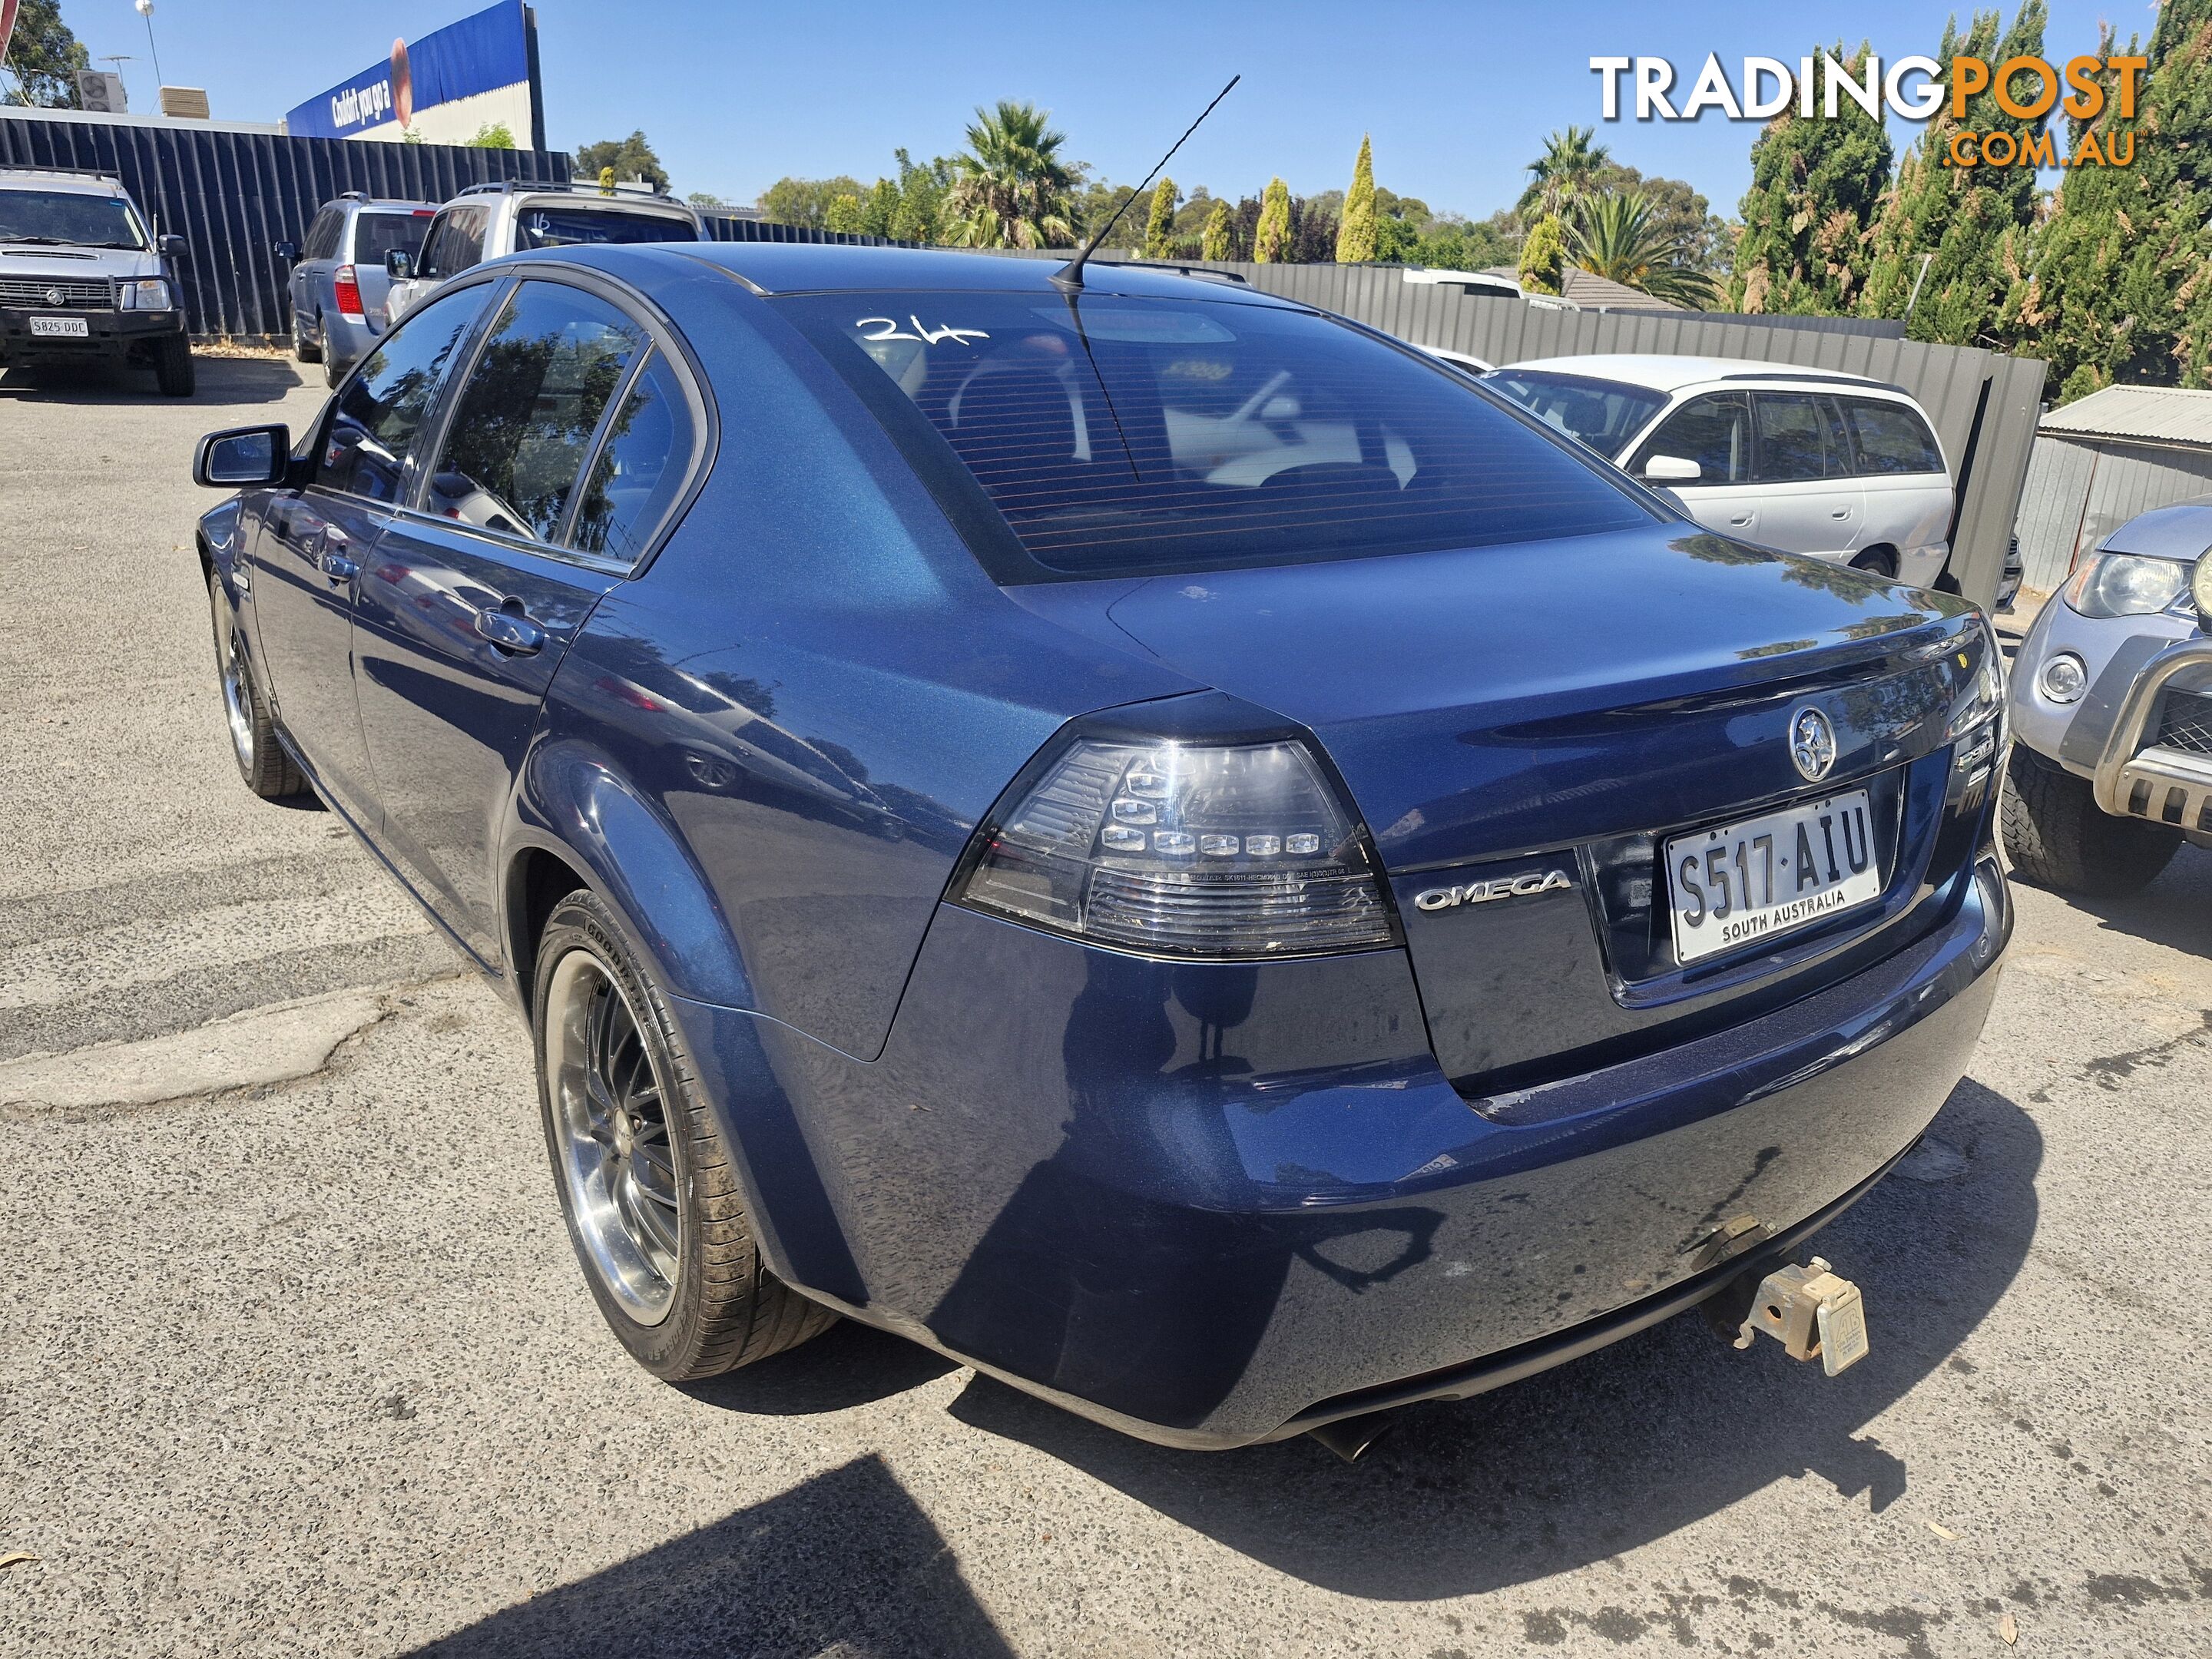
(2146, 414)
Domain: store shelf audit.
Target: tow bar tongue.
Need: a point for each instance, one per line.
(1812, 1312)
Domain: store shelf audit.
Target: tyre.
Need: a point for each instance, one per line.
(2059, 836)
(306, 349)
(645, 1180)
(1877, 561)
(267, 770)
(173, 366)
(333, 370)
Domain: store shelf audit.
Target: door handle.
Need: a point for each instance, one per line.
(1741, 517)
(1841, 512)
(509, 630)
(339, 569)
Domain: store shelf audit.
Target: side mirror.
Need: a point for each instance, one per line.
(1672, 469)
(288, 252)
(242, 457)
(400, 264)
(173, 247)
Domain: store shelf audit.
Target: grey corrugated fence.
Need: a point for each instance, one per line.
(232, 195)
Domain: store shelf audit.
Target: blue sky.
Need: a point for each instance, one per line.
(1458, 97)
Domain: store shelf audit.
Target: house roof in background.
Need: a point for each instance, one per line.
(1590, 292)
(2147, 414)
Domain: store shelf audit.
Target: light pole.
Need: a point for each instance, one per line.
(146, 11)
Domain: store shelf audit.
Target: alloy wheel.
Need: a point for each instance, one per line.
(237, 694)
(614, 1155)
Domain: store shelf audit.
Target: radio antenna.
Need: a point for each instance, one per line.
(1069, 278)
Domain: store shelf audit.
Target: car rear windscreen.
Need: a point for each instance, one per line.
(1119, 435)
(375, 234)
(1603, 414)
(581, 227)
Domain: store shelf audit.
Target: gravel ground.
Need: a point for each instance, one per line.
(304, 1366)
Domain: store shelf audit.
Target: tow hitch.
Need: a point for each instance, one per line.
(1812, 1312)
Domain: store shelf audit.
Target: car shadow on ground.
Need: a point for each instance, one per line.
(221, 381)
(1652, 1434)
(2175, 911)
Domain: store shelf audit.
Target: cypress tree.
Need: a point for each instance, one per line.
(1271, 242)
(1355, 231)
(1215, 241)
(1542, 251)
(1815, 186)
(1159, 227)
(1975, 221)
(2119, 289)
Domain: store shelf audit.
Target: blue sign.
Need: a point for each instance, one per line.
(481, 53)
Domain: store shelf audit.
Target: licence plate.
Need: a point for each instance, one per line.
(71, 328)
(1769, 875)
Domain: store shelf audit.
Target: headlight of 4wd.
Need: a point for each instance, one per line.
(2126, 584)
(152, 294)
(2201, 589)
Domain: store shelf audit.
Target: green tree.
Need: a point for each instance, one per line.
(44, 57)
(1271, 239)
(806, 200)
(1355, 231)
(493, 135)
(1010, 186)
(1543, 252)
(844, 213)
(1621, 238)
(1568, 168)
(630, 158)
(1159, 226)
(1815, 187)
(1679, 210)
(1218, 241)
(1975, 222)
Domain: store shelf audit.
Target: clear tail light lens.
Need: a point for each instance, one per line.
(349, 289)
(1184, 850)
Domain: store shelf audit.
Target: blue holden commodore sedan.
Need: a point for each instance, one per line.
(1151, 839)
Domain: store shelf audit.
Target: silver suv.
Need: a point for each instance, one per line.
(339, 280)
(2112, 708)
(82, 280)
(486, 220)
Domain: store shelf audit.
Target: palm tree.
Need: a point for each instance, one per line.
(1010, 188)
(1620, 237)
(1567, 170)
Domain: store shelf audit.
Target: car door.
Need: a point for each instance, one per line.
(1712, 431)
(312, 250)
(1907, 488)
(476, 593)
(1809, 499)
(308, 557)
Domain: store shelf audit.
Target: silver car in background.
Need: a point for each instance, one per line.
(2112, 711)
(1806, 460)
(338, 276)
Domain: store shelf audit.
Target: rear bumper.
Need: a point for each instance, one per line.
(107, 333)
(1212, 1205)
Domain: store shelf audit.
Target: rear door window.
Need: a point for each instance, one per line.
(1799, 438)
(323, 234)
(1116, 434)
(1714, 431)
(377, 418)
(455, 242)
(642, 463)
(1891, 438)
(552, 364)
(540, 226)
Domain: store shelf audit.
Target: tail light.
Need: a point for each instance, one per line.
(348, 292)
(1178, 848)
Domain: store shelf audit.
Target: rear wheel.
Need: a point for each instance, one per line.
(333, 370)
(307, 349)
(173, 366)
(645, 1178)
(267, 770)
(1877, 561)
(2059, 836)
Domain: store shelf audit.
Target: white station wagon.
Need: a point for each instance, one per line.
(1806, 460)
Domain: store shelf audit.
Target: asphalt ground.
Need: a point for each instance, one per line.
(297, 1359)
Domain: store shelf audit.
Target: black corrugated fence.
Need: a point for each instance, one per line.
(232, 195)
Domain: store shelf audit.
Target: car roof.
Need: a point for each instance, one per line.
(1671, 374)
(814, 268)
(84, 184)
(383, 205)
